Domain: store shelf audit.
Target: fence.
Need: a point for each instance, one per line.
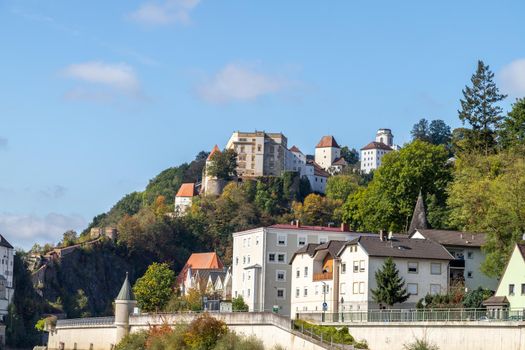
(413, 315)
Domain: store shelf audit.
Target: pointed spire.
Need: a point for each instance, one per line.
(419, 217)
(126, 293)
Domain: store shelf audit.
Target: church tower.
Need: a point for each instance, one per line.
(124, 305)
(419, 217)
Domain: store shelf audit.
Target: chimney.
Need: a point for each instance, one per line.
(390, 235)
(523, 237)
(461, 235)
(381, 235)
(297, 223)
(345, 227)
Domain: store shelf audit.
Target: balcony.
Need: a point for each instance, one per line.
(457, 264)
(323, 276)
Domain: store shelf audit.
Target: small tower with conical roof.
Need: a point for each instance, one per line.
(419, 217)
(124, 305)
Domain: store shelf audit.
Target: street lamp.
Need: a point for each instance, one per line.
(324, 300)
(342, 310)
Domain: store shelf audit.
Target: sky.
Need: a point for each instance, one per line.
(97, 97)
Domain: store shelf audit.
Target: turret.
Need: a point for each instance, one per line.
(124, 305)
(419, 217)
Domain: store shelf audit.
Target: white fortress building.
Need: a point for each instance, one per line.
(372, 153)
(261, 273)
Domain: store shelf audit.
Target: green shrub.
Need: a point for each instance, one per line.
(338, 335)
(133, 341)
(420, 344)
(232, 341)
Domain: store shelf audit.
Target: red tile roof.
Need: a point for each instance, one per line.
(295, 149)
(213, 151)
(318, 171)
(377, 145)
(186, 190)
(309, 228)
(200, 261)
(327, 141)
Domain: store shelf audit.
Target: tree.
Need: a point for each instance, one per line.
(420, 131)
(440, 133)
(388, 201)
(339, 187)
(390, 286)
(317, 210)
(238, 304)
(153, 290)
(512, 131)
(223, 165)
(350, 155)
(474, 298)
(69, 238)
(479, 109)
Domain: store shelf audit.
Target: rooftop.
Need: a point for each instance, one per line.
(295, 149)
(309, 228)
(186, 190)
(333, 247)
(5, 243)
(318, 171)
(327, 141)
(455, 238)
(376, 145)
(213, 151)
(199, 261)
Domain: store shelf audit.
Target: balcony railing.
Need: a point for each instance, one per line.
(323, 276)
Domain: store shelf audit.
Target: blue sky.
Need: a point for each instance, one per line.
(97, 97)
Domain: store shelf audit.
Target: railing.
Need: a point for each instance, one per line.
(414, 315)
(324, 338)
(323, 276)
(91, 321)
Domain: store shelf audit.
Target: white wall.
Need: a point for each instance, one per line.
(325, 156)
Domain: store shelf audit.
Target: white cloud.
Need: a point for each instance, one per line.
(240, 83)
(512, 78)
(119, 76)
(165, 12)
(24, 230)
(3, 143)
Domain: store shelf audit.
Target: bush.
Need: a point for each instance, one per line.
(204, 332)
(232, 341)
(339, 335)
(420, 344)
(133, 341)
(238, 304)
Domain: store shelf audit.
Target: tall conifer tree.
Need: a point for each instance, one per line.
(390, 286)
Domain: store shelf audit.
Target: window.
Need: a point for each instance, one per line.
(412, 267)
(523, 289)
(435, 289)
(297, 292)
(281, 258)
(244, 260)
(435, 268)
(301, 240)
(280, 275)
(297, 273)
(316, 290)
(271, 257)
(306, 271)
(356, 266)
(470, 255)
(326, 289)
(281, 240)
(342, 288)
(280, 293)
(469, 274)
(361, 266)
(257, 240)
(244, 242)
(361, 287)
(248, 259)
(343, 268)
(511, 289)
(412, 288)
(237, 260)
(305, 291)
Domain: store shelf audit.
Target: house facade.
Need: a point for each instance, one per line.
(197, 269)
(184, 198)
(260, 270)
(344, 278)
(327, 152)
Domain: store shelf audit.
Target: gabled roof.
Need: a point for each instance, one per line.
(308, 249)
(200, 261)
(5, 243)
(333, 247)
(398, 247)
(186, 190)
(318, 171)
(376, 145)
(295, 149)
(521, 248)
(308, 228)
(496, 301)
(340, 161)
(213, 151)
(327, 141)
(454, 238)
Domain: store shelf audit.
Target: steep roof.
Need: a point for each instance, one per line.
(308, 249)
(419, 217)
(376, 145)
(398, 247)
(186, 190)
(213, 151)
(5, 243)
(318, 171)
(126, 292)
(333, 247)
(327, 141)
(340, 161)
(199, 261)
(521, 247)
(295, 149)
(454, 238)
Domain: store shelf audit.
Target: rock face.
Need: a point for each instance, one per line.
(86, 281)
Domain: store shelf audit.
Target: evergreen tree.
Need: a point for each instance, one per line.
(439, 133)
(479, 110)
(512, 132)
(390, 287)
(420, 131)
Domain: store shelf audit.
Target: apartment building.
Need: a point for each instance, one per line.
(261, 272)
(343, 273)
(259, 153)
(372, 153)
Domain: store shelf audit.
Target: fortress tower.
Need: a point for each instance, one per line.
(124, 305)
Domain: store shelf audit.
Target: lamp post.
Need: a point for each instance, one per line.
(342, 309)
(324, 301)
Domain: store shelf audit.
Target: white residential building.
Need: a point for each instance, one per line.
(346, 270)
(372, 153)
(7, 289)
(259, 153)
(260, 269)
(184, 198)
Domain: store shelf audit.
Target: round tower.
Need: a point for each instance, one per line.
(124, 305)
(385, 136)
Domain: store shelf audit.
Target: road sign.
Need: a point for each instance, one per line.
(325, 306)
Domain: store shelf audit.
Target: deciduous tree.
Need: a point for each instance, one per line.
(154, 290)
